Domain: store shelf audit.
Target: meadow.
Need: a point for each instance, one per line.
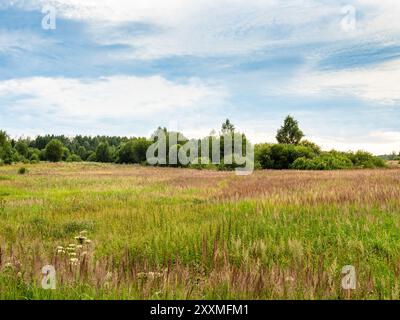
(133, 232)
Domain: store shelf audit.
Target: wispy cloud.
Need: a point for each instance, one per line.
(377, 83)
(113, 98)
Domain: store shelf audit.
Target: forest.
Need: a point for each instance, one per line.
(291, 151)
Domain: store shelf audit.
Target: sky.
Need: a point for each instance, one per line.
(125, 67)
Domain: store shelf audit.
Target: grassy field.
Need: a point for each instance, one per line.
(159, 233)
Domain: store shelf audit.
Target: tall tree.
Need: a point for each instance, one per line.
(54, 150)
(104, 153)
(227, 127)
(290, 132)
(3, 138)
(22, 148)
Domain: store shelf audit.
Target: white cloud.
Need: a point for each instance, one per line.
(378, 83)
(376, 146)
(115, 97)
(16, 40)
(387, 136)
(210, 27)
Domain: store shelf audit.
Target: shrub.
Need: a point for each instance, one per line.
(54, 150)
(262, 154)
(65, 154)
(22, 170)
(91, 157)
(326, 161)
(35, 158)
(281, 156)
(33, 153)
(313, 146)
(362, 159)
(74, 158)
(133, 151)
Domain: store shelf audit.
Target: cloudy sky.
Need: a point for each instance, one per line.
(124, 67)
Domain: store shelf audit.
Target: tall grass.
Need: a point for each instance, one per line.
(160, 233)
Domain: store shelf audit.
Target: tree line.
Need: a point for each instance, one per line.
(291, 151)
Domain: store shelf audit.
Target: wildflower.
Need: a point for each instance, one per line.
(8, 265)
(88, 241)
(154, 275)
(73, 261)
(108, 276)
(79, 246)
(60, 248)
(72, 254)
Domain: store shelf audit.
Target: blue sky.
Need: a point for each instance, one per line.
(121, 67)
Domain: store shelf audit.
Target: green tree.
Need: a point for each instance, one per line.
(134, 151)
(54, 150)
(227, 127)
(6, 153)
(3, 138)
(22, 148)
(290, 132)
(82, 153)
(316, 148)
(104, 153)
(6, 150)
(66, 153)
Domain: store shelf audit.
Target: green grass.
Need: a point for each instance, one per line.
(160, 233)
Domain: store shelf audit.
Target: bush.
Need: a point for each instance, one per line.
(327, 161)
(54, 150)
(313, 146)
(35, 158)
(281, 156)
(34, 154)
(22, 170)
(362, 159)
(65, 155)
(74, 158)
(91, 157)
(133, 151)
(262, 154)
